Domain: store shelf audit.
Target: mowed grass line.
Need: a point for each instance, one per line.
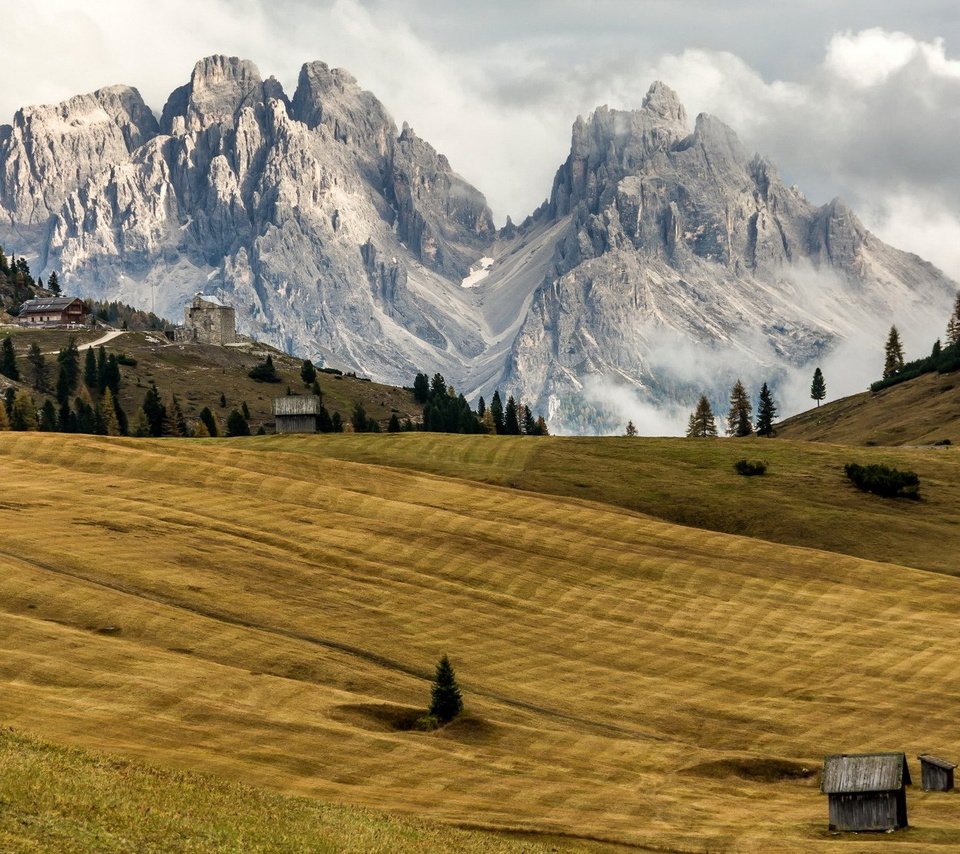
(609, 659)
(804, 499)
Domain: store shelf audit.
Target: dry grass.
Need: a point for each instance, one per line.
(918, 412)
(209, 605)
(68, 800)
(804, 499)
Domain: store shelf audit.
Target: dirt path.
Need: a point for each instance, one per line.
(103, 339)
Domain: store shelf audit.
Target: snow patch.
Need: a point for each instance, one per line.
(478, 272)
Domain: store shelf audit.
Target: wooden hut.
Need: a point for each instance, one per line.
(296, 413)
(866, 791)
(52, 311)
(936, 774)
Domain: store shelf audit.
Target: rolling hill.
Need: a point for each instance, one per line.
(628, 680)
(921, 411)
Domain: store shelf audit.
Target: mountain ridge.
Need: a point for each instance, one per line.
(339, 237)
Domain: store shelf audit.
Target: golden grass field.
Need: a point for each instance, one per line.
(266, 610)
(917, 412)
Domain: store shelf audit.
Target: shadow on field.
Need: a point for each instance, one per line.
(758, 770)
(387, 717)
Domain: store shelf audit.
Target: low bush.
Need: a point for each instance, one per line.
(883, 480)
(124, 359)
(750, 468)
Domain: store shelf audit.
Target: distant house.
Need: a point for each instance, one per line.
(296, 414)
(207, 320)
(52, 311)
(936, 774)
(866, 791)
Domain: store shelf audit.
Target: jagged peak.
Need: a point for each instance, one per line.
(219, 67)
(662, 101)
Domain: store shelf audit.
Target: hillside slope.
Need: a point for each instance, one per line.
(920, 411)
(291, 608)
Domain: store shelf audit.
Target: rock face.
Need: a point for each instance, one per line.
(663, 262)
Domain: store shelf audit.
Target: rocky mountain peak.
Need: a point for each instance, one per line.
(663, 102)
(219, 87)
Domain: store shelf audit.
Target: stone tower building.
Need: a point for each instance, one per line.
(208, 321)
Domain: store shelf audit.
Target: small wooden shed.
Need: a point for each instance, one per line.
(296, 413)
(936, 774)
(866, 791)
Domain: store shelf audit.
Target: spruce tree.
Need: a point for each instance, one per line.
(111, 375)
(446, 700)
(308, 373)
(141, 425)
(740, 414)
(101, 368)
(237, 424)
(766, 412)
(53, 284)
(511, 423)
(245, 410)
(953, 324)
(496, 411)
(481, 408)
(178, 422)
(38, 366)
(91, 377)
(818, 388)
(8, 360)
(702, 424)
(527, 422)
(209, 421)
(337, 422)
(154, 410)
(69, 373)
(359, 418)
(48, 417)
(421, 388)
(542, 429)
(394, 425)
(893, 352)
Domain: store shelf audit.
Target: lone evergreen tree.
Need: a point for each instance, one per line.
(953, 324)
(893, 361)
(739, 417)
(209, 421)
(359, 418)
(446, 701)
(766, 412)
(631, 429)
(53, 284)
(702, 424)
(818, 388)
(394, 425)
(308, 373)
(8, 360)
(237, 424)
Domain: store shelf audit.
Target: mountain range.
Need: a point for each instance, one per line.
(665, 261)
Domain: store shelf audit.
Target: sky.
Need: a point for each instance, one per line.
(852, 98)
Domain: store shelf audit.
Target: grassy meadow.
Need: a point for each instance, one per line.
(269, 611)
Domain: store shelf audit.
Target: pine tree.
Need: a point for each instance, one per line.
(308, 373)
(68, 375)
(178, 422)
(200, 431)
(893, 352)
(818, 388)
(48, 417)
(91, 378)
(953, 325)
(446, 700)
(111, 375)
(511, 423)
(53, 284)
(8, 360)
(359, 417)
(237, 424)
(108, 409)
(209, 421)
(223, 400)
(527, 422)
(496, 410)
(245, 410)
(24, 413)
(394, 425)
(740, 414)
(154, 410)
(38, 366)
(141, 425)
(766, 412)
(481, 408)
(101, 368)
(702, 424)
(421, 388)
(631, 429)
(542, 426)
(337, 422)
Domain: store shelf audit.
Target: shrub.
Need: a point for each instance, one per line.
(265, 372)
(884, 481)
(124, 359)
(750, 468)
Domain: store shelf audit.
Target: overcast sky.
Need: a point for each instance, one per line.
(856, 98)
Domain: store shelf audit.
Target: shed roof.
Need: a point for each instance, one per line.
(304, 404)
(47, 304)
(864, 772)
(936, 760)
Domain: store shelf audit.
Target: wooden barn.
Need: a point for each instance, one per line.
(52, 311)
(296, 413)
(866, 791)
(936, 774)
